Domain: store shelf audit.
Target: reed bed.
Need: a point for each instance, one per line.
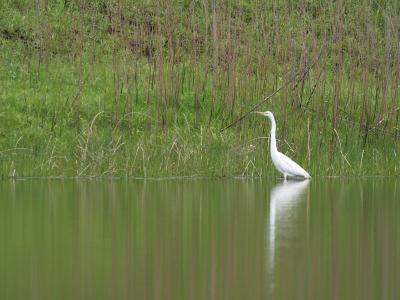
(132, 88)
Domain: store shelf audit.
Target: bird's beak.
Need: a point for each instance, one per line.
(258, 112)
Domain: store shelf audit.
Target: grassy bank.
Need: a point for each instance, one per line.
(92, 88)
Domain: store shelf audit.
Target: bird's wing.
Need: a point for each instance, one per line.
(290, 167)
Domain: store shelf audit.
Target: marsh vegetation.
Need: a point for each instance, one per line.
(143, 88)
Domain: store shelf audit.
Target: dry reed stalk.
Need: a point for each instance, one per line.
(160, 78)
(215, 53)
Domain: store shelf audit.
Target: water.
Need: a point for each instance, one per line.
(200, 239)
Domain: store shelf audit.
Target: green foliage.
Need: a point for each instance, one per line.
(133, 88)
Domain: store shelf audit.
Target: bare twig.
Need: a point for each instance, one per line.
(292, 79)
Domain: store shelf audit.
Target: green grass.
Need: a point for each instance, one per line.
(106, 88)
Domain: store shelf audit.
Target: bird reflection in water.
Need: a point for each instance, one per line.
(285, 197)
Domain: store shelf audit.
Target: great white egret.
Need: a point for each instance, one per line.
(282, 163)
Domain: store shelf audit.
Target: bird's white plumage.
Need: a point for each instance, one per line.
(282, 163)
(287, 166)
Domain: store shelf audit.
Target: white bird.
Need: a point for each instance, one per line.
(282, 163)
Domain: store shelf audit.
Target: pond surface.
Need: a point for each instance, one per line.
(200, 239)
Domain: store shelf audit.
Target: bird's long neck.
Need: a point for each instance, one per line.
(273, 137)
